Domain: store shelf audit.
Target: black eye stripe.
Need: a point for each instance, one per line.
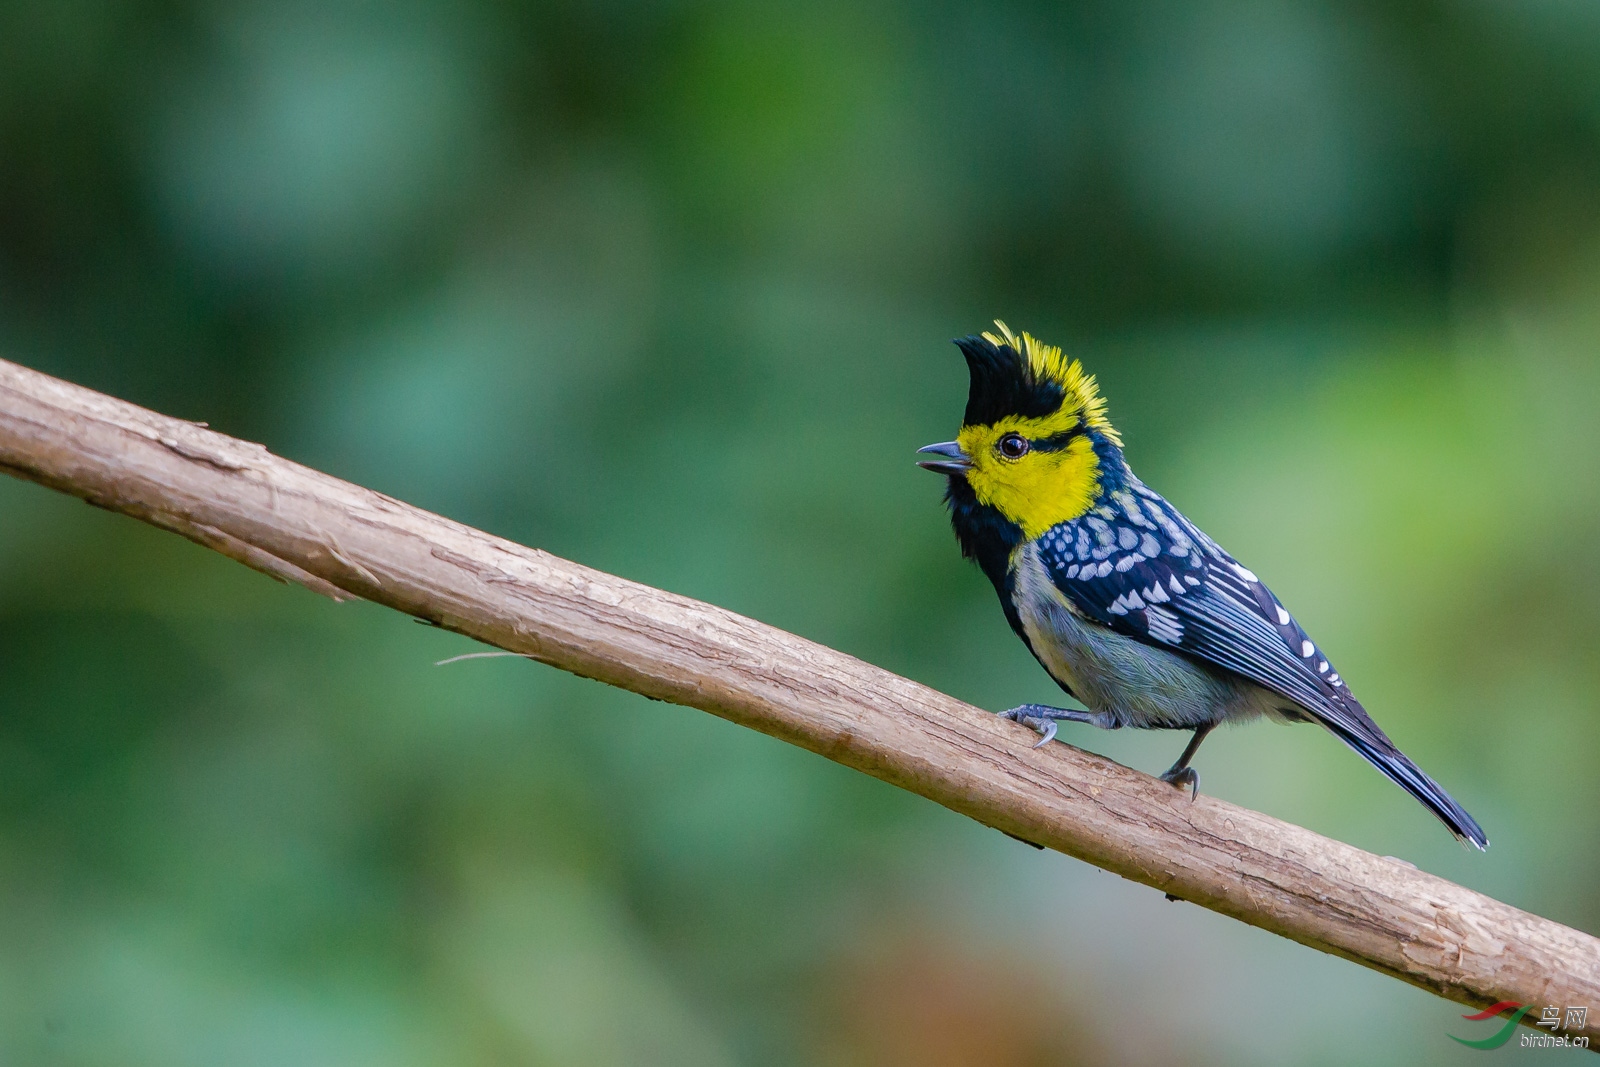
(1057, 441)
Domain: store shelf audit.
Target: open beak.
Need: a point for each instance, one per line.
(944, 458)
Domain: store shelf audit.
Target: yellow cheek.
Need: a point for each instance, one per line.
(1039, 490)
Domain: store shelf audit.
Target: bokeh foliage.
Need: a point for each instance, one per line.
(666, 289)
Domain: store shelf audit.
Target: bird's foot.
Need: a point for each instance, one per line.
(1180, 773)
(1045, 726)
(1043, 718)
(1184, 776)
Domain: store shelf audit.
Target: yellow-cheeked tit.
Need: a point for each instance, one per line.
(1131, 608)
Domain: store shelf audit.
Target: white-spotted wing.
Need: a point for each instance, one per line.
(1136, 565)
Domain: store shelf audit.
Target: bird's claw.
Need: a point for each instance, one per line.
(1046, 728)
(1184, 776)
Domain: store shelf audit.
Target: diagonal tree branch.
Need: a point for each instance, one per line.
(341, 540)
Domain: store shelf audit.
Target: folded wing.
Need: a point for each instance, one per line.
(1136, 565)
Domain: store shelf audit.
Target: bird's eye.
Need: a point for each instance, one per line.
(1013, 446)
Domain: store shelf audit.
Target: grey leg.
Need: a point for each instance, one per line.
(1043, 718)
(1181, 774)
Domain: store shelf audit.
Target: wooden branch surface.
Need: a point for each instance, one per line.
(342, 540)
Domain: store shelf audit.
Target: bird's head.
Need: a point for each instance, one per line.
(1035, 435)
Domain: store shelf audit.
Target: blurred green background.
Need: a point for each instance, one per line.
(667, 289)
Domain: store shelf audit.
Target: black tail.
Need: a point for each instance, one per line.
(1382, 754)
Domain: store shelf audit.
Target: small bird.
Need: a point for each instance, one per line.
(1131, 609)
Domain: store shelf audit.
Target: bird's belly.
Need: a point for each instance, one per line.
(1139, 684)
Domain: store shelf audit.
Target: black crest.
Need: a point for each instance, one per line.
(1003, 384)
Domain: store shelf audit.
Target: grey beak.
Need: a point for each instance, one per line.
(951, 459)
